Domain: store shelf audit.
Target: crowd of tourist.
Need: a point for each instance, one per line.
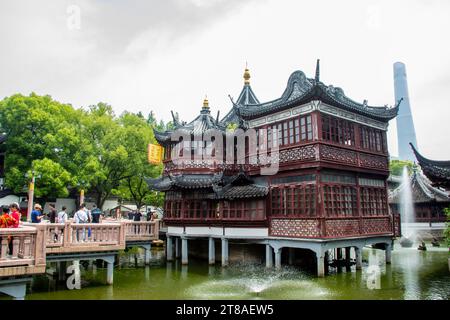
(11, 216)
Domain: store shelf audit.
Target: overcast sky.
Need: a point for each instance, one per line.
(166, 55)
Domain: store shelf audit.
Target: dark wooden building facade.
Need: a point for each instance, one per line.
(332, 167)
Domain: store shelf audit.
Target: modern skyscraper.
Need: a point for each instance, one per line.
(405, 124)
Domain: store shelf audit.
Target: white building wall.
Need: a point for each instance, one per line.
(175, 230)
(247, 232)
(207, 231)
(6, 201)
(219, 231)
(110, 204)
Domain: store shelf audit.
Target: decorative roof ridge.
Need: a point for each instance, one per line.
(421, 158)
(299, 88)
(427, 188)
(419, 180)
(247, 94)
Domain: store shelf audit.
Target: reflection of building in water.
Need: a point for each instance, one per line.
(329, 191)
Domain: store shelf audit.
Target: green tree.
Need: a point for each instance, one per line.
(76, 149)
(37, 128)
(53, 179)
(396, 167)
(447, 224)
(134, 186)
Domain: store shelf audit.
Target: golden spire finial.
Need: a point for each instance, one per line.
(206, 103)
(246, 74)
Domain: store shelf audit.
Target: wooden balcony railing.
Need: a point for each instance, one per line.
(27, 254)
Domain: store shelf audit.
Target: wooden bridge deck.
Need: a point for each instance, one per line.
(31, 243)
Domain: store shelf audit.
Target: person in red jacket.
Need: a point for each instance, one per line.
(15, 213)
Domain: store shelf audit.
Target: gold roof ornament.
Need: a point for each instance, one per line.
(246, 76)
(206, 103)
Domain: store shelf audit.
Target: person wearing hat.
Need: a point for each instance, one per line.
(36, 214)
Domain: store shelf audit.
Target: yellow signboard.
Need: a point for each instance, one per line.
(155, 153)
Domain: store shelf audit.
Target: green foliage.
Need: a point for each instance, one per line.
(232, 126)
(74, 149)
(53, 178)
(396, 167)
(447, 229)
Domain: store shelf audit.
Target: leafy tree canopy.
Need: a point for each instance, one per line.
(396, 167)
(71, 149)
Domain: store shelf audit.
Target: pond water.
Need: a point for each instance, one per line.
(413, 274)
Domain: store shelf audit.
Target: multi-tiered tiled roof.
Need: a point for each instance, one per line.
(301, 89)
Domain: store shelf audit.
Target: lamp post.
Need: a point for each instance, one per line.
(30, 198)
(31, 193)
(81, 196)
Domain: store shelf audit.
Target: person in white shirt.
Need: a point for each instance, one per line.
(62, 215)
(81, 217)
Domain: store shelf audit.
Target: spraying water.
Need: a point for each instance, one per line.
(407, 207)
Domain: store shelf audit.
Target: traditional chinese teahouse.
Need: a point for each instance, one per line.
(429, 201)
(327, 194)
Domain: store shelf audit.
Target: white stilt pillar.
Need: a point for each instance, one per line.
(291, 256)
(225, 256)
(278, 258)
(147, 254)
(169, 251)
(177, 248)
(110, 272)
(211, 251)
(320, 264)
(358, 257)
(269, 256)
(347, 258)
(388, 253)
(184, 251)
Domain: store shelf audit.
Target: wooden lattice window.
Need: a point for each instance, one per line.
(339, 200)
(338, 130)
(373, 201)
(372, 139)
(293, 200)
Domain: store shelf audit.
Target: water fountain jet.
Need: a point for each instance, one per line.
(407, 211)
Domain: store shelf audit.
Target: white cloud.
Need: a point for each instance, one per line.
(167, 55)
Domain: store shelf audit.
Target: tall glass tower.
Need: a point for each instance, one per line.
(405, 124)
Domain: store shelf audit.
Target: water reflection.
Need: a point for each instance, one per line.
(412, 275)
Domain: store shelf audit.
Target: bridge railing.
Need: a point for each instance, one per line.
(22, 251)
(141, 230)
(82, 237)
